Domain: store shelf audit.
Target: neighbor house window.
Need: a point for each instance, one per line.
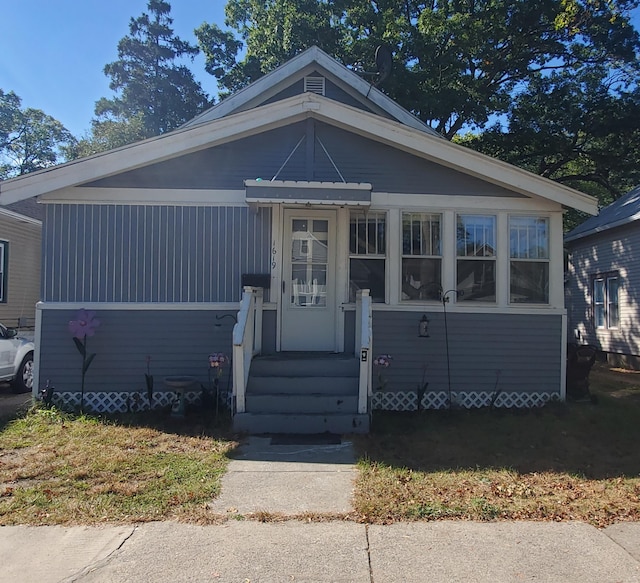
(4, 260)
(476, 257)
(606, 310)
(529, 252)
(367, 254)
(421, 256)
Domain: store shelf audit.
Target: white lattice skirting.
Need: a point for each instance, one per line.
(407, 401)
(114, 402)
(123, 402)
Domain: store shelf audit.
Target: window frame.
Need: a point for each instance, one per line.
(494, 258)
(603, 307)
(432, 256)
(367, 255)
(545, 259)
(4, 268)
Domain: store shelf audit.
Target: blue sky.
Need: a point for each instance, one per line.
(52, 52)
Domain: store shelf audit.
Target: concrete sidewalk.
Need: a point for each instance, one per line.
(249, 551)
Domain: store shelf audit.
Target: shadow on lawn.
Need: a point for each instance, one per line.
(595, 441)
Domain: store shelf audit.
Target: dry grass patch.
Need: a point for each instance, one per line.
(577, 461)
(62, 469)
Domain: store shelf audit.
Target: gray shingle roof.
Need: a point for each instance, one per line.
(624, 210)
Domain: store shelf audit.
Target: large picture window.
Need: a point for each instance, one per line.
(606, 310)
(476, 257)
(367, 254)
(4, 261)
(421, 256)
(529, 252)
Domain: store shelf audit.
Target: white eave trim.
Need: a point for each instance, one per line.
(18, 217)
(278, 114)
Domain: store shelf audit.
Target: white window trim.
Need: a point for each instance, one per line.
(398, 264)
(546, 260)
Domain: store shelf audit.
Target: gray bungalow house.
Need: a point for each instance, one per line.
(334, 226)
(603, 296)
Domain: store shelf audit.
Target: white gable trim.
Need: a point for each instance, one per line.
(284, 112)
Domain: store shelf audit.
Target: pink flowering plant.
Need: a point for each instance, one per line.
(217, 362)
(382, 362)
(81, 328)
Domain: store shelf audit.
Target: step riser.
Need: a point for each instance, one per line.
(301, 404)
(307, 424)
(302, 368)
(303, 385)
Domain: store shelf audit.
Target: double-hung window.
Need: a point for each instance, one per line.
(606, 310)
(421, 256)
(368, 254)
(4, 260)
(529, 252)
(476, 257)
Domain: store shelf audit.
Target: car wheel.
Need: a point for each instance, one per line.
(23, 382)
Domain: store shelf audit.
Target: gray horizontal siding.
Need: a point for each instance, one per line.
(262, 156)
(120, 253)
(613, 250)
(515, 353)
(178, 343)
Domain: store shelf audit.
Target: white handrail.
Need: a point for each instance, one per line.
(364, 348)
(247, 342)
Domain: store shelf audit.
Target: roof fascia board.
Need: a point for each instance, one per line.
(168, 146)
(602, 228)
(18, 217)
(289, 111)
(454, 156)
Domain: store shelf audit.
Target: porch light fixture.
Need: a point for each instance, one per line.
(423, 327)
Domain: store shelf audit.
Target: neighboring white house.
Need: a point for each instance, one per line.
(603, 286)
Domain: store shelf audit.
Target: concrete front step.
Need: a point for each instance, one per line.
(257, 423)
(308, 403)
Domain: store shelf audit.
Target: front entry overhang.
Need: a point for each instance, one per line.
(308, 193)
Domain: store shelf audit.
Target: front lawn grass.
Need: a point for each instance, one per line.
(574, 461)
(57, 468)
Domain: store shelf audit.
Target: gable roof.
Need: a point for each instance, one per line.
(309, 61)
(623, 211)
(238, 123)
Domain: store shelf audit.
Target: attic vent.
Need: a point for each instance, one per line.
(314, 85)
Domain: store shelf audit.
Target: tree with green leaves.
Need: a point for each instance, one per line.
(29, 138)
(154, 92)
(457, 62)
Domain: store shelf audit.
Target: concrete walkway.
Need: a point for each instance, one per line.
(290, 476)
(286, 478)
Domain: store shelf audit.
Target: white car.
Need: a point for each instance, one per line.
(16, 360)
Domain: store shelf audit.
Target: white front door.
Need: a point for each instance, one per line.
(308, 286)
